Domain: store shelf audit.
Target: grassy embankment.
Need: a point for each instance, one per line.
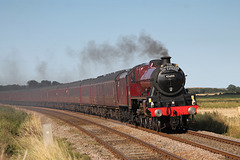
(216, 122)
(21, 138)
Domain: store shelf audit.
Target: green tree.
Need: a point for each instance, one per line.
(231, 88)
(238, 89)
(32, 84)
(54, 83)
(45, 83)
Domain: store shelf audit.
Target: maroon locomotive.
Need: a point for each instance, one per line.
(150, 95)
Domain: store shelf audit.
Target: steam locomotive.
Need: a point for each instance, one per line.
(149, 95)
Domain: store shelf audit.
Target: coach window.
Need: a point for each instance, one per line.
(133, 77)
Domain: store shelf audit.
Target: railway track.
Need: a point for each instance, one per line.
(122, 145)
(199, 145)
(223, 140)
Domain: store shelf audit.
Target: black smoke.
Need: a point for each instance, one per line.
(151, 47)
(41, 69)
(126, 48)
(106, 57)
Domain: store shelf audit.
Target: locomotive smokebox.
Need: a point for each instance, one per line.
(166, 59)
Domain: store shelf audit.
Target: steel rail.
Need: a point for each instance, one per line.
(224, 140)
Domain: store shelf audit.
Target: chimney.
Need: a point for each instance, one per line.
(166, 60)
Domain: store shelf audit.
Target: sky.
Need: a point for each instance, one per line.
(71, 40)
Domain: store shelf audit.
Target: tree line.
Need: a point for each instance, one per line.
(233, 89)
(30, 84)
(230, 89)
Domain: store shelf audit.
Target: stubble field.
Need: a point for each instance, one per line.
(219, 114)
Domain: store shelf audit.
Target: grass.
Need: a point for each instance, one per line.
(217, 123)
(218, 104)
(10, 123)
(234, 127)
(212, 122)
(219, 101)
(21, 138)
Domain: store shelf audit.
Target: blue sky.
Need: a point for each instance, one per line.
(45, 39)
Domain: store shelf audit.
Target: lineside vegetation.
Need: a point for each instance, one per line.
(21, 138)
(216, 122)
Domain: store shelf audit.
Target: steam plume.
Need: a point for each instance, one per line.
(42, 69)
(125, 49)
(152, 47)
(103, 57)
